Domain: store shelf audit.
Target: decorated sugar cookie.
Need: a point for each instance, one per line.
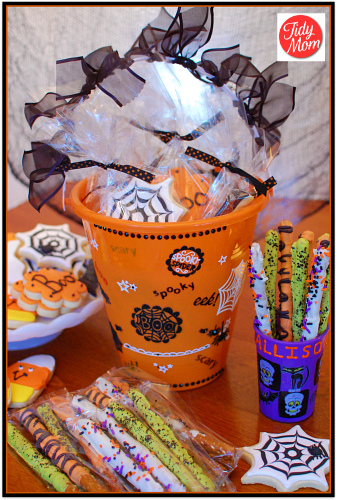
(288, 461)
(16, 316)
(15, 267)
(52, 246)
(53, 288)
(29, 377)
(194, 189)
(144, 202)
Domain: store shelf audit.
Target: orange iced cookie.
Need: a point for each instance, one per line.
(54, 288)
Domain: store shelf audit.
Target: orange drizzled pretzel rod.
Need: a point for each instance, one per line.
(51, 447)
(285, 271)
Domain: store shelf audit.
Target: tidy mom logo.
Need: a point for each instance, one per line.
(301, 37)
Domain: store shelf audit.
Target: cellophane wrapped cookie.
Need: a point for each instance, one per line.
(167, 138)
(138, 429)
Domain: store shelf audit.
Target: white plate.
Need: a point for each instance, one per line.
(44, 330)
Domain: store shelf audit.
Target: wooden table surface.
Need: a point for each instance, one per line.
(228, 405)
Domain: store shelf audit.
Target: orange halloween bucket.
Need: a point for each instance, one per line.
(171, 290)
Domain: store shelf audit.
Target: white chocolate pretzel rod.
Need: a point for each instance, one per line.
(138, 451)
(317, 284)
(257, 284)
(114, 457)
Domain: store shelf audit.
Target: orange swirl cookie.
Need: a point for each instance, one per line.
(54, 288)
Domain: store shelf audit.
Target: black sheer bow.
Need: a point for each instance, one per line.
(267, 101)
(103, 69)
(45, 168)
(177, 39)
(48, 106)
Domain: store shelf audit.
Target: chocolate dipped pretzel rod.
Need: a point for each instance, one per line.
(257, 284)
(54, 427)
(271, 250)
(317, 284)
(139, 452)
(40, 464)
(300, 259)
(148, 438)
(51, 447)
(285, 271)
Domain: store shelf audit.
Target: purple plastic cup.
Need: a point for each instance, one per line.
(288, 374)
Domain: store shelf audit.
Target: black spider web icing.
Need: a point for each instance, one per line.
(293, 455)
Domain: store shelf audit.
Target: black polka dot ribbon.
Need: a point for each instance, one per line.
(45, 168)
(66, 165)
(166, 137)
(261, 187)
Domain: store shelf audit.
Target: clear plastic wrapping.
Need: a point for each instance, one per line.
(177, 123)
(152, 111)
(126, 432)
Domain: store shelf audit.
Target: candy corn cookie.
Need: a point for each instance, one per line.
(29, 377)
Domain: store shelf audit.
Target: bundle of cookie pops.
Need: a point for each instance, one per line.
(49, 273)
(303, 286)
(134, 433)
(167, 138)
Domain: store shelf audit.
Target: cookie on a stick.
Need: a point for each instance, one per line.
(271, 250)
(285, 271)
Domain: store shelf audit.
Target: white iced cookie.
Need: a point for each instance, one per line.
(28, 378)
(52, 246)
(144, 202)
(104, 418)
(288, 461)
(15, 267)
(115, 458)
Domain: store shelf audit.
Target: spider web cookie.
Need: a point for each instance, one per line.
(52, 246)
(140, 201)
(288, 461)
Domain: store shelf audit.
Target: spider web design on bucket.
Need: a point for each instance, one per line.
(230, 291)
(290, 457)
(155, 324)
(142, 202)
